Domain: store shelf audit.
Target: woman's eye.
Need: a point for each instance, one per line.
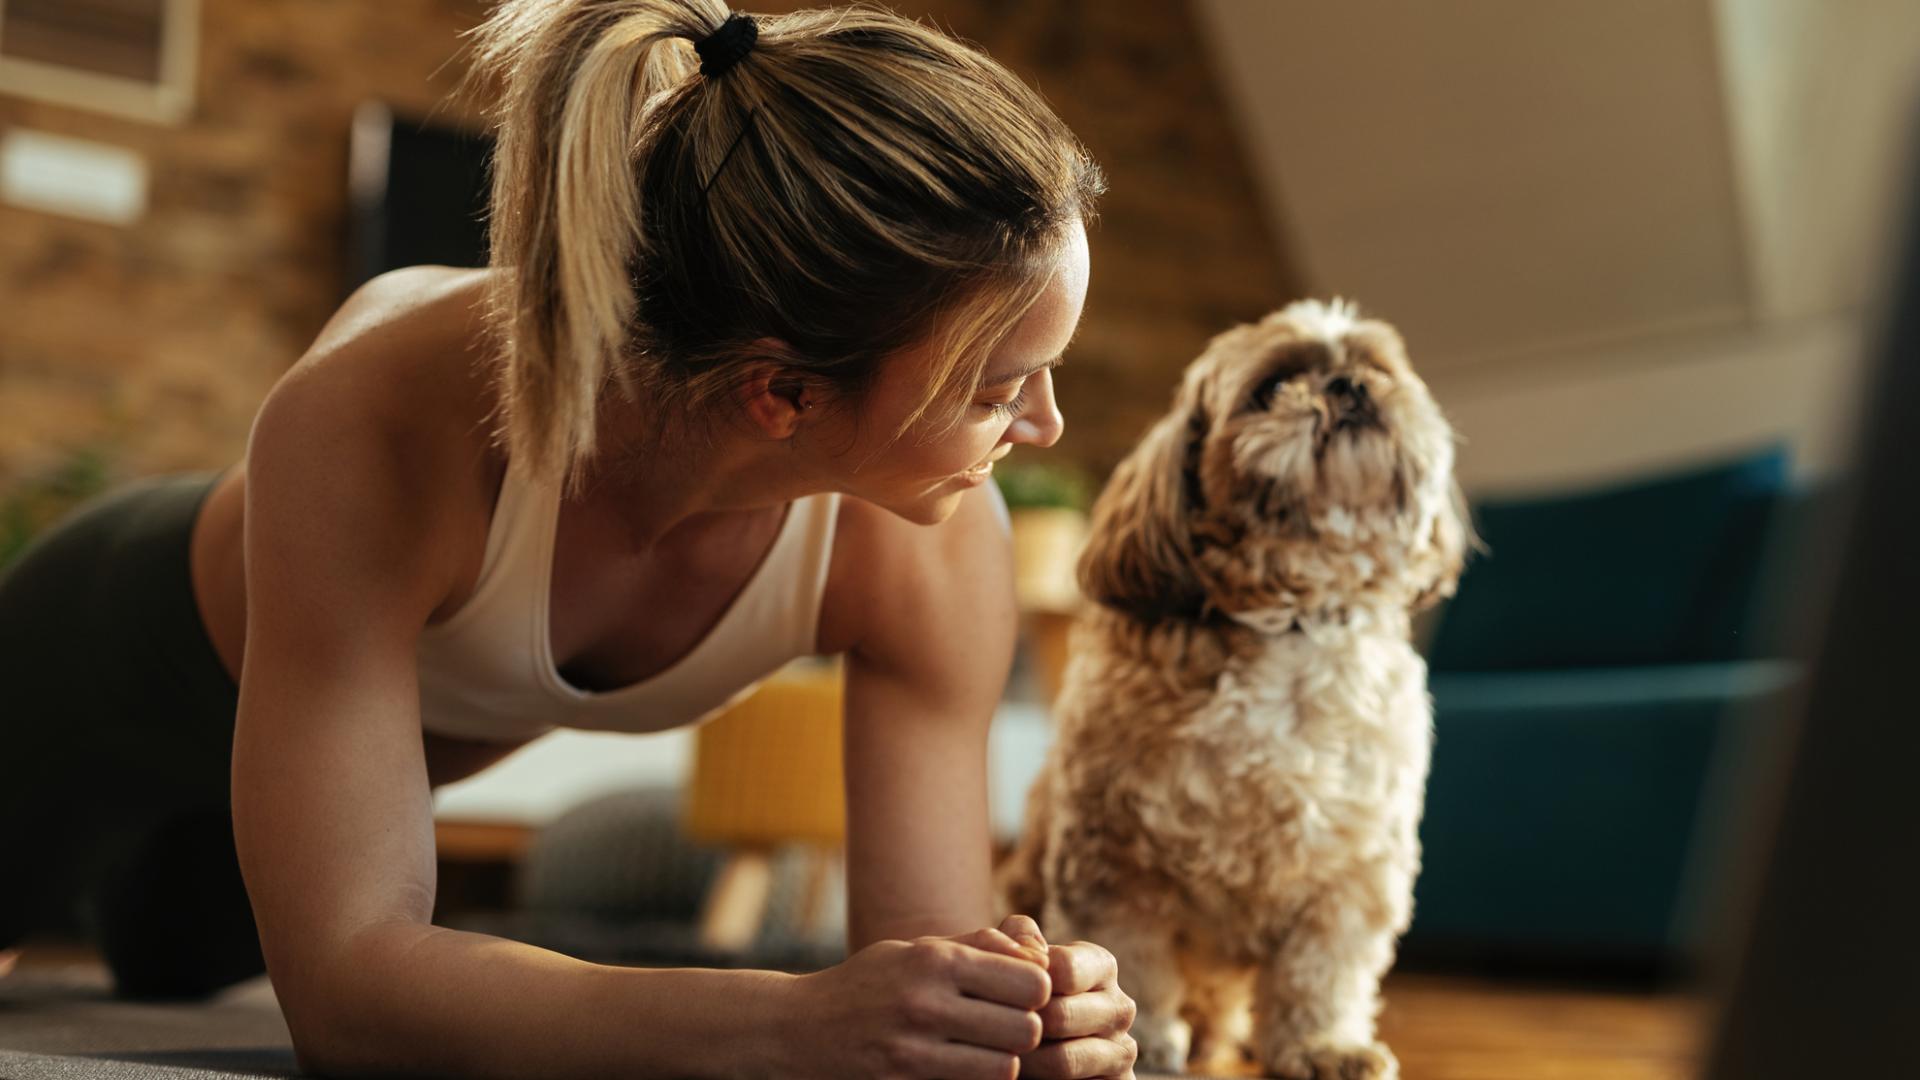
(1006, 408)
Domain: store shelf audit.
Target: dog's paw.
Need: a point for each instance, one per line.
(1219, 1056)
(1366, 1061)
(1163, 1042)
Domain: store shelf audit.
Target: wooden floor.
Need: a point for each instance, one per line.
(1446, 1027)
(1454, 1028)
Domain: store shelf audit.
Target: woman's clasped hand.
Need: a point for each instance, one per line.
(989, 1005)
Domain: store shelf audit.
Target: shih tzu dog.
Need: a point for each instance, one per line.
(1231, 801)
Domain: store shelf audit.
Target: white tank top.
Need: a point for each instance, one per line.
(487, 672)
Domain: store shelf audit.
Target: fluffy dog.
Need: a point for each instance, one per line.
(1231, 801)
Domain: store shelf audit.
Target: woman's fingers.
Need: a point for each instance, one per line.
(1078, 1059)
(1080, 1029)
(961, 1062)
(1098, 1012)
(1080, 967)
(1002, 977)
(996, 1027)
(995, 940)
(1024, 930)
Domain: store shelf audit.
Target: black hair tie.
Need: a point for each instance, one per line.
(726, 46)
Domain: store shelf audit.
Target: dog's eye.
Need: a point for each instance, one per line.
(1263, 394)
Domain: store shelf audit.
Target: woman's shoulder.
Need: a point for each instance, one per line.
(397, 382)
(410, 342)
(404, 358)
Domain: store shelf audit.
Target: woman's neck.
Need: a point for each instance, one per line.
(651, 479)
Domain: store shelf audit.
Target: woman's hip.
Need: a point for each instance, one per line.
(104, 660)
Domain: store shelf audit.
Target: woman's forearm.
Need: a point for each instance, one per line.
(865, 925)
(423, 1000)
(909, 929)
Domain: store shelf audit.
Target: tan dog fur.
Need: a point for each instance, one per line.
(1231, 801)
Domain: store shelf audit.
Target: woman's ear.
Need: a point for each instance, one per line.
(1139, 553)
(773, 394)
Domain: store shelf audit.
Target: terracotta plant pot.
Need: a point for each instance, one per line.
(1046, 545)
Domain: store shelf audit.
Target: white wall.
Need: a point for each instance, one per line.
(1825, 94)
(1590, 417)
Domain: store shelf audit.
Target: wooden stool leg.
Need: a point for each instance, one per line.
(737, 903)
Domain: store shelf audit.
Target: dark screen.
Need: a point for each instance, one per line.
(431, 205)
(1828, 979)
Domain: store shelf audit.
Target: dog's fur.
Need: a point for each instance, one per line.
(1231, 801)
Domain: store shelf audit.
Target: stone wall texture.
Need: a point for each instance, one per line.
(159, 340)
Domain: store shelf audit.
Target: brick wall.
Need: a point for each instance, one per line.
(163, 337)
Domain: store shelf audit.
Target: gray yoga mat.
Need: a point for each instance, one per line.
(154, 1065)
(63, 1024)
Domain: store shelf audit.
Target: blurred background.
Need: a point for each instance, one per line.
(1633, 246)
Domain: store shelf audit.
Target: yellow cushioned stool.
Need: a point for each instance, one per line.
(767, 774)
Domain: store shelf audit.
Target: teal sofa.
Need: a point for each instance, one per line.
(1602, 684)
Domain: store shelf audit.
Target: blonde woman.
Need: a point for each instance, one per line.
(767, 300)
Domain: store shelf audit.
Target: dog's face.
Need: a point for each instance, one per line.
(1304, 469)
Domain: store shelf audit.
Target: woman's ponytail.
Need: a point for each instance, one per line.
(578, 80)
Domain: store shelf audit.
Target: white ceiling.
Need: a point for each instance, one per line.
(1511, 179)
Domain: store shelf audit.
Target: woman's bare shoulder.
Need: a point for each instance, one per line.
(409, 346)
(396, 383)
(404, 362)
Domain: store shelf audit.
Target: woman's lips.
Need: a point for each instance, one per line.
(979, 473)
(976, 475)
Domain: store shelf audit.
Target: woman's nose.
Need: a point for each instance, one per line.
(1040, 423)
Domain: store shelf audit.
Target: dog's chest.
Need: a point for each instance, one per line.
(1308, 756)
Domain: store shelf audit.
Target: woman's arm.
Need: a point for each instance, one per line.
(938, 622)
(346, 534)
(928, 667)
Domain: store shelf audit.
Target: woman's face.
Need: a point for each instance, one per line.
(922, 475)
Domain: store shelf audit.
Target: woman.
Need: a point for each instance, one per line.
(751, 339)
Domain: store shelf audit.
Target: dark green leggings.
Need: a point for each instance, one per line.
(116, 734)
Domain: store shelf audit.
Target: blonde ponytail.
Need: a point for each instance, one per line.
(577, 80)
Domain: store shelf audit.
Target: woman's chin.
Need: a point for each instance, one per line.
(932, 506)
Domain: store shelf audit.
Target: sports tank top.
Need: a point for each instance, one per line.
(487, 672)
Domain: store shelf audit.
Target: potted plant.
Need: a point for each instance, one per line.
(1048, 504)
(40, 499)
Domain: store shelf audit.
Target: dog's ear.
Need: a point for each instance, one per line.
(1139, 553)
(1444, 555)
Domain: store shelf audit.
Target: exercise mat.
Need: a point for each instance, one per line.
(62, 1023)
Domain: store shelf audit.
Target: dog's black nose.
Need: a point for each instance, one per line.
(1352, 405)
